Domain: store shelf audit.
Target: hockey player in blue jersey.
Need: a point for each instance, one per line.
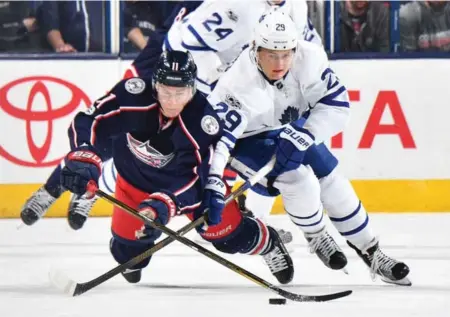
(163, 133)
(79, 207)
(41, 200)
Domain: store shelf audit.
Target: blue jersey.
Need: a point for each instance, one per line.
(152, 152)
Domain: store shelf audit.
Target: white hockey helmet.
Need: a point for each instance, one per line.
(275, 31)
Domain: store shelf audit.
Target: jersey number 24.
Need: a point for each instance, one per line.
(216, 20)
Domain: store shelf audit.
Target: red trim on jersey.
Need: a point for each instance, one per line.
(131, 72)
(162, 125)
(188, 185)
(191, 138)
(197, 154)
(114, 112)
(191, 207)
(75, 137)
(103, 101)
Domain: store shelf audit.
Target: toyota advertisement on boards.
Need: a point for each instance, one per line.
(37, 107)
(395, 150)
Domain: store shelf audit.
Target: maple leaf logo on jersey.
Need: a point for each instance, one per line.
(289, 115)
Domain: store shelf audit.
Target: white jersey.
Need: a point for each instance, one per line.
(218, 30)
(249, 104)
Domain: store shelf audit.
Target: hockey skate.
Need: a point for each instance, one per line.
(327, 250)
(278, 259)
(36, 206)
(390, 270)
(132, 276)
(79, 209)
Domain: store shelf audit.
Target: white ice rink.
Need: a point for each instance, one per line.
(179, 282)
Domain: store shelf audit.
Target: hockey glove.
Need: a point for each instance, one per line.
(82, 165)
(213, 199)
(293, 142)
(159, 207)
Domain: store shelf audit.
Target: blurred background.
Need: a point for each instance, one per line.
(124, 27)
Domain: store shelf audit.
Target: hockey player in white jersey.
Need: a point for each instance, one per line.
(281, 98)
(215, 34)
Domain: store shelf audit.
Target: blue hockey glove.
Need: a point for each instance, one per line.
(82, 166)
(293, 142)
(213, 199)
(159, 207)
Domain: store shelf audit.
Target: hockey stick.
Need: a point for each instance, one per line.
(72, 288)
(215, 257)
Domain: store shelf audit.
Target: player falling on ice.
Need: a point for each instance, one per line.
(281, 97)
(164, 133)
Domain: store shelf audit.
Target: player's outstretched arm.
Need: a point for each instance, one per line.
(108, 116)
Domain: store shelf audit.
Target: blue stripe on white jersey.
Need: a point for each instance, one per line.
(336, 95)
(228, 139)
(204, 47)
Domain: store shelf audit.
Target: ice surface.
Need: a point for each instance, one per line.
(180, 282)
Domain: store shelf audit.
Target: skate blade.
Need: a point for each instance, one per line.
(344, 270)
(20, 226)
(403, 282)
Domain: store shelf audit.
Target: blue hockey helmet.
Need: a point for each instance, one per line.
(175, 68)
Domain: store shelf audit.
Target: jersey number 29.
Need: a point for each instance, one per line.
(231, 117)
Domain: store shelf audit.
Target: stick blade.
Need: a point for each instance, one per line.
(62, 282)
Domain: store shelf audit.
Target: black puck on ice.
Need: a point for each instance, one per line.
(277, 301)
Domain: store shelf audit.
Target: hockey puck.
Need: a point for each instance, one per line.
(277, 301)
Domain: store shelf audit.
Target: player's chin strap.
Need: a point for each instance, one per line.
(73, 288)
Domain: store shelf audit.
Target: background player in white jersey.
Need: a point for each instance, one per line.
(217, 31)
(281, 98)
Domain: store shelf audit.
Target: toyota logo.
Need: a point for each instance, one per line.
(43, 92)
